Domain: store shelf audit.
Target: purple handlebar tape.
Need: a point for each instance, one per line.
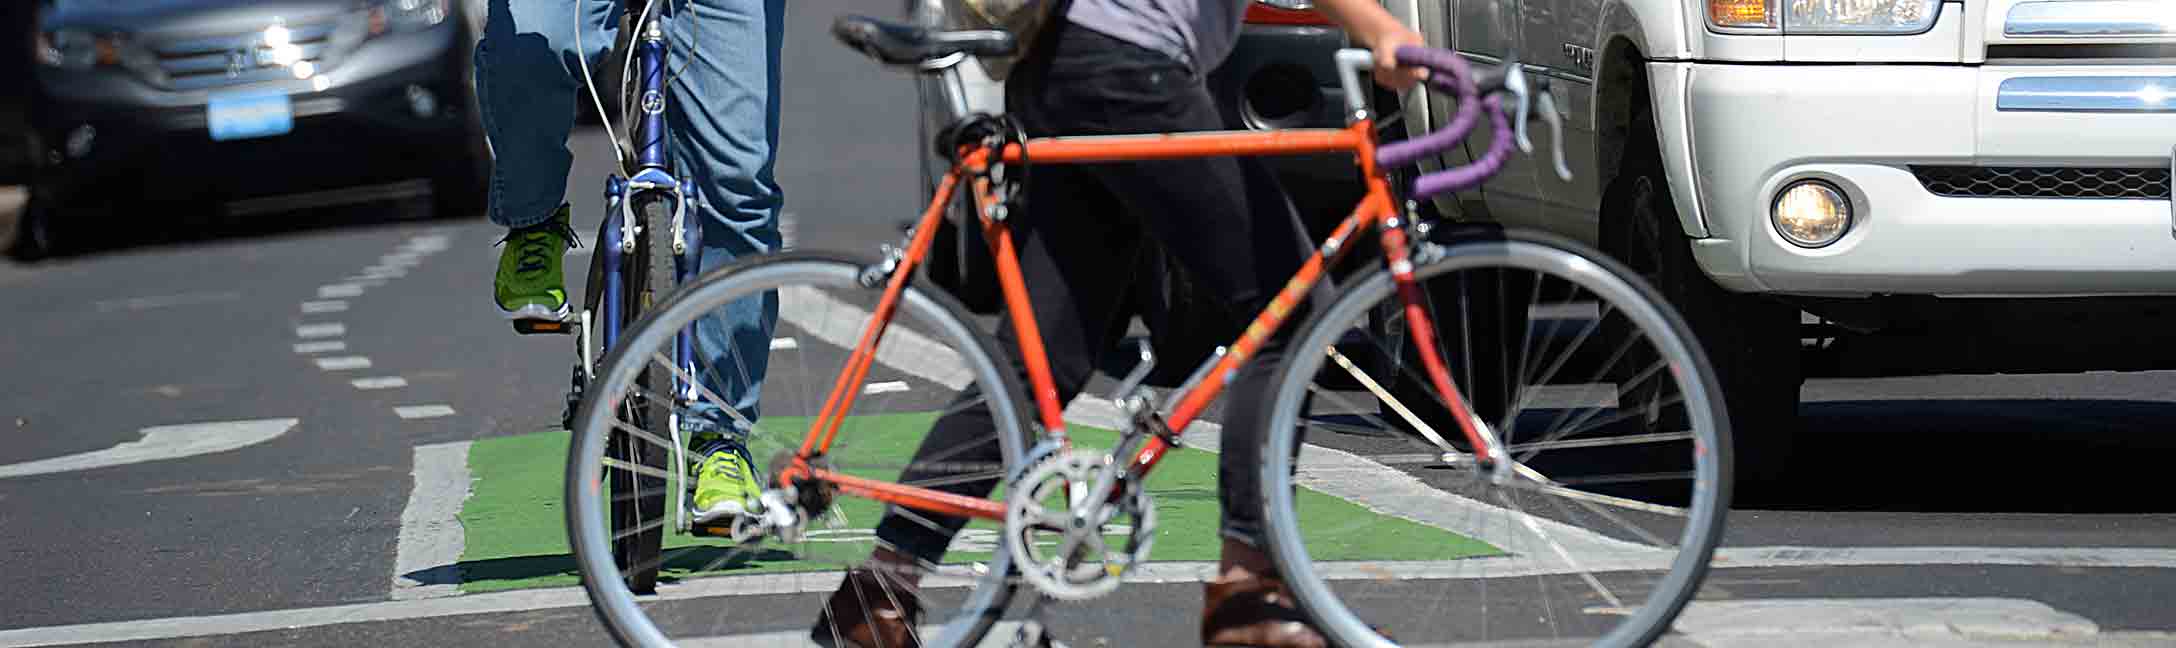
(1450, 74)
(1471, 175)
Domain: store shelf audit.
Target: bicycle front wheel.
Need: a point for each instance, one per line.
(1600, 530)
(772, 335)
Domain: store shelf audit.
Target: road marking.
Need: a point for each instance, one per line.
(789, 230)
(885, 387)
(162, 442)
(343, 363)
(401, 259)
(427, 556)
(839, 324)
(781, 344)
(384, 272)
(1856, 621)
(320, 330)
(413, 412)
(820, 582)
(339, 291)
(427, 243)
(324, 306)
(367, 281)
(382, 382)
(168, 301)
(321, 346)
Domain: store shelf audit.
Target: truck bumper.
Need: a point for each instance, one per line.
(1958, 187)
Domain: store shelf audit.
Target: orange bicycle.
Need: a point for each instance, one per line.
(1493, 436)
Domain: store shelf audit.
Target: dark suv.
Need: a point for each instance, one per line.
(218, 100)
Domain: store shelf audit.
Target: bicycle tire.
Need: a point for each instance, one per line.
(610, 598)
(1711, 491)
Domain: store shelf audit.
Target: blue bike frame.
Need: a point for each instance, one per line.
(653, 183)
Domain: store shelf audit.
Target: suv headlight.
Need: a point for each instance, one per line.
(407, 15)
(1813, 17)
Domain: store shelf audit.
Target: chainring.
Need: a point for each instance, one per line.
(1039, 522)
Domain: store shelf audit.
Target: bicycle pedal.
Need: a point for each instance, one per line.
(543, 327)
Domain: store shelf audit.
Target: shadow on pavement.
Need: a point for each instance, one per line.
(149, 224)
(679, 561)
(2008, 456)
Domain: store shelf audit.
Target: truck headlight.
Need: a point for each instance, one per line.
(1815, 17)
(1860, 16)
(407, 15)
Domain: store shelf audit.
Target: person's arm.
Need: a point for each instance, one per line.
(1370, 25)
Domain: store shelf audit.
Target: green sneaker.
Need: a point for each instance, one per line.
(530, 284)
(725, 483)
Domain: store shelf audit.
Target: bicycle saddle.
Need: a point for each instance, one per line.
(902, 44)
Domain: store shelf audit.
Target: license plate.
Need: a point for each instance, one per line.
(234, 117)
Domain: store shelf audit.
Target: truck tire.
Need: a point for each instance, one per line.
(1751, 340)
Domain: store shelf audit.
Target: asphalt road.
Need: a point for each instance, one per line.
(148, 332)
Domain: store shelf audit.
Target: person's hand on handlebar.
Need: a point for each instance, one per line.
(1368, 23)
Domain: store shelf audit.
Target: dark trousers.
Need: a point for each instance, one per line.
(1088, 230)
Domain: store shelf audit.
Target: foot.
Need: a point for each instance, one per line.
(725, 483)
(530, 284)
(1248, 605)
(870, 610)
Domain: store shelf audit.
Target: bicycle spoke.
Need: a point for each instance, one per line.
(1613, 518)
(1558, 548)
(1630, 478)
(1549, 488)
(1636, 439)
(636, 468)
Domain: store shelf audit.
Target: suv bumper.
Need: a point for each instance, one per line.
(1753, 129)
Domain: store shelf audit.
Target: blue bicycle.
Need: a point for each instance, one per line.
(645, 246)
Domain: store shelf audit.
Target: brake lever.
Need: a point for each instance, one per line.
(1555, 120)
(1515, 83)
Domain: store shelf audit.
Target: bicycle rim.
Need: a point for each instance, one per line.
(821, 308)
(1606, 524)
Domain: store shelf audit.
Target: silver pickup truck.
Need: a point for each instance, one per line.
(1948, 186)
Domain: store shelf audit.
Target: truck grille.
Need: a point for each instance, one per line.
(235, 59)
(2044, 182)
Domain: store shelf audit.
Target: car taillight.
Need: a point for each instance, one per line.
(1292, 13)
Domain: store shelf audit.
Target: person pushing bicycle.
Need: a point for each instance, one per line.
(722, 116)
(1109, 67)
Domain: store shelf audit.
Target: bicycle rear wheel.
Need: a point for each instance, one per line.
(1603, 529)
(932, 363)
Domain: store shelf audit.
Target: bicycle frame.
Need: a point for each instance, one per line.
(1376, 209)
(652, 181)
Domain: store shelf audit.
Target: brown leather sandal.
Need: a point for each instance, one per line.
(866, 614)
(1255, 612)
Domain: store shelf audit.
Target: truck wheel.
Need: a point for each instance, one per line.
(1751, 340)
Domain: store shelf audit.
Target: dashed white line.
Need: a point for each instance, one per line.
(340, 291)
(885, 387)
(381, 382)
(780, 344)
(323, 306)
(168, 301)
(412, 412)
(307, 331)
(321, 347)
(343, 363)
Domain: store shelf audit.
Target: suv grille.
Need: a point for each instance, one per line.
(210, 62)
(2044, 182)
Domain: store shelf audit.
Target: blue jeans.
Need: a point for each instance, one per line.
(721, 119)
